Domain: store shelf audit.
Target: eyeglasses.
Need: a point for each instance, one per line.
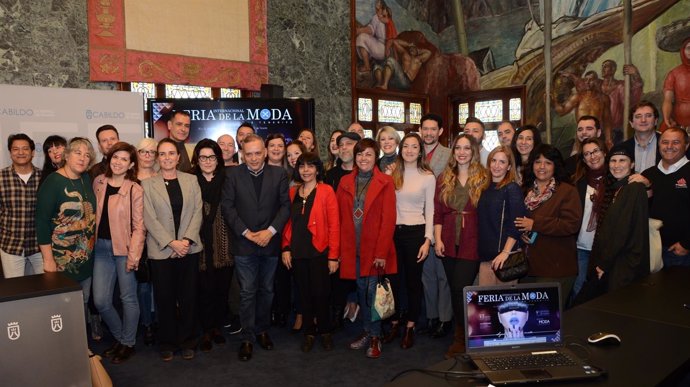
(590, 154)
(144, 152)
(207, 158)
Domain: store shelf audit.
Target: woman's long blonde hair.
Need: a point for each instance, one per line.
(478, 177)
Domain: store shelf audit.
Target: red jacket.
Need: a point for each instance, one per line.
(378, 226)
(324, 221)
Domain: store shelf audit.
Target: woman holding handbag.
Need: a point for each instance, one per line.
(121, 234)
(458, 191)
(311, 246)
(366, 198)
(500, 204)
(555, 215)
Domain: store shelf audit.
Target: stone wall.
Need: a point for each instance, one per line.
(309, 55)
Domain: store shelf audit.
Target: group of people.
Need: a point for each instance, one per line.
(431, 218)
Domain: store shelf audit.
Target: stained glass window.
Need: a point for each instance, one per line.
(184, 91)
(391, 111)
(489, 111)
(515, 105)
(490, 140)
(149, 90)
(365, 109)
(463, 113)
(230, 93)
(368, 133)
(415, 113)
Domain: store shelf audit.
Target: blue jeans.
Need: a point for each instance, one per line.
(366, 290)
(106, 269)
(255, 275)
(582, 264)
(670, 259)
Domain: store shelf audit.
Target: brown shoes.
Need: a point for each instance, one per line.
(408, 339)
(458, 346)
(392, 334)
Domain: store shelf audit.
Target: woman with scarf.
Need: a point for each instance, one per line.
(458, 191)
(589, 179)
(215, 263)
(555, 214)
(620, 255)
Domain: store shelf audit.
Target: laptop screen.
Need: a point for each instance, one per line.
(510, 316)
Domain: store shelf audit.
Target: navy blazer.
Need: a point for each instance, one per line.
(629, 145)
(243, 210)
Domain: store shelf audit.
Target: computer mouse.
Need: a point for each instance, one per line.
(604, 338)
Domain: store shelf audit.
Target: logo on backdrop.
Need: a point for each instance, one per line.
(94, 114)
(13, 331)
(11, 111)
(56, 323)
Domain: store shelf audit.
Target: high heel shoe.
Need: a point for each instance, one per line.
(408, 339)
(297, 327)
(353, 318)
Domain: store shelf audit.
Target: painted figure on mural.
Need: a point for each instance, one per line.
(371, 40)
(615, 89)
(676, 106)
(400, 74)
(587, 100)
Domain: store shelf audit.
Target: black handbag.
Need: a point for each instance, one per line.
(517, 265)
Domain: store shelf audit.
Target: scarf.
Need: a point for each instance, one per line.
(595, 179)
(535, 198)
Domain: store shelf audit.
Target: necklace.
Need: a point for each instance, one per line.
(304, 196)
(359, 192)
(83, 187)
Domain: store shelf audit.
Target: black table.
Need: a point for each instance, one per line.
(648, 315)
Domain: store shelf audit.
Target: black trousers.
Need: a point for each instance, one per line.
(314, 285)
(214, 287)
(408, 240)
(460, 273)
(282, 291)
(175, 293)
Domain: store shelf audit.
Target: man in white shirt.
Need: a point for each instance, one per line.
(671, 196)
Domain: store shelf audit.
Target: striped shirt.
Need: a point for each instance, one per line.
(17, 212)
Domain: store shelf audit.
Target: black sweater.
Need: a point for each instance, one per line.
(671, 204)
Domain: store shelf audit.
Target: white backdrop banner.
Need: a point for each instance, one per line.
(42, 111)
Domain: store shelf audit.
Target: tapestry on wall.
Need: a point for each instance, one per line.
(216, 43)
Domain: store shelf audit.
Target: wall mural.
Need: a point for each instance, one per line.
(396, 50)
(411, 45)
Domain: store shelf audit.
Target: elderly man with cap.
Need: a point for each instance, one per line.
(346, 144)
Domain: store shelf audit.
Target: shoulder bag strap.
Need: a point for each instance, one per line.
(500, 235)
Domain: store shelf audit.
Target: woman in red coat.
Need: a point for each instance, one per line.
(311, 245)
(366, 198)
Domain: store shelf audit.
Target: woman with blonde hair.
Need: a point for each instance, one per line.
(66, 216)
(458, 192)
(388, 139)
(500, 204)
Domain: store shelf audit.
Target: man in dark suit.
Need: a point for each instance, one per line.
(256, 206)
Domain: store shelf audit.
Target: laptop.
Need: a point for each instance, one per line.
(514, 334)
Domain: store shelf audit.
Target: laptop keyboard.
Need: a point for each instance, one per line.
(528, 361)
